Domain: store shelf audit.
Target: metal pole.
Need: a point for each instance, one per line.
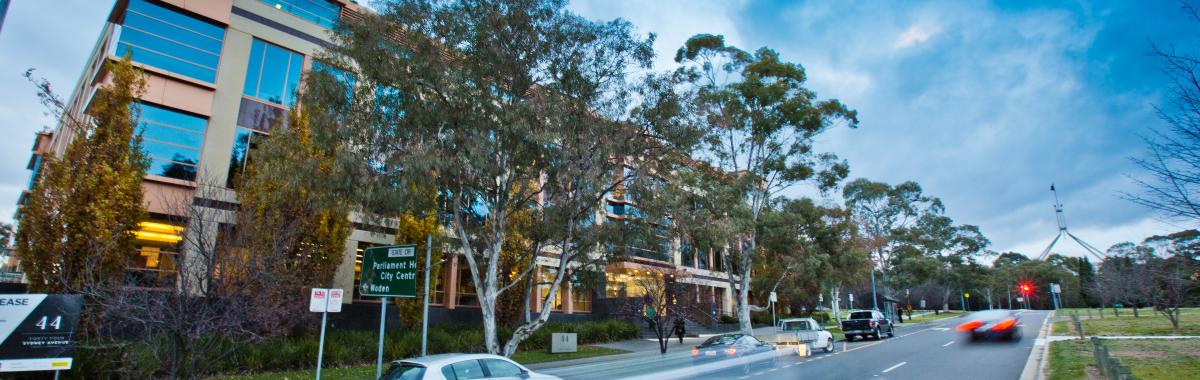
(773, 322)
(321, 344)
(425, 311)
(962, 301)
(56, 372)
(382, 321)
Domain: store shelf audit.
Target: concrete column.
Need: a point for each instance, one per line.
(343, 277)
(452, 284)
(569, 297)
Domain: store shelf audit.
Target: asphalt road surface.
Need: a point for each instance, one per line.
(924, 351)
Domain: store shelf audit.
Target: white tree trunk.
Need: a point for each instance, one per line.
(835, 304)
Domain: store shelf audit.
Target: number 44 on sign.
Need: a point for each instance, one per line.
(325, 300)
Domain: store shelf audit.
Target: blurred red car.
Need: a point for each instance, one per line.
(992, 325)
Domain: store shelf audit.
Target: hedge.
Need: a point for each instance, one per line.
(342, 348)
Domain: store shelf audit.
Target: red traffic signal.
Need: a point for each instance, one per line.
(1026, 288)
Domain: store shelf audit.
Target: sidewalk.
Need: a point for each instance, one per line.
(1055, 338)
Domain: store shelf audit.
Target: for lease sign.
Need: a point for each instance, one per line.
(37, 331)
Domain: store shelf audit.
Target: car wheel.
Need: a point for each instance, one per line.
(829, 346)
(891, 332)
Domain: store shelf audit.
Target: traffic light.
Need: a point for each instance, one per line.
(1026, 288)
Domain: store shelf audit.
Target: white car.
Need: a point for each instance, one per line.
(460, 367)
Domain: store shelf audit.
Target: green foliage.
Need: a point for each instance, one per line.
(293, 227)
(342, 348)
(75, 229)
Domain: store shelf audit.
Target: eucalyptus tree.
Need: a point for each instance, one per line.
(493, 109)
(759, 122)
(882, 211)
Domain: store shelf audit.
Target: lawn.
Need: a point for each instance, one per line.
(1150, 323)
(1149, 359)
(367, 371)
(1069, 358)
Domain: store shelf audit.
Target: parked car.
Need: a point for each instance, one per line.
(460, 367)
(729, 346)
(865, 323)
(992, 325)
(793, 332)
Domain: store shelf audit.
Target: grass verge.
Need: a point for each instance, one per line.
(1149, 359)
(1149, 323)
(934, 317)
(1069, 359)
(367, 371)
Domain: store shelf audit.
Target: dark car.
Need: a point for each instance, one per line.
(728, 346)
(992, 325)
(867, 323)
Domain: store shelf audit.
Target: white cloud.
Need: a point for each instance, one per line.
(673, 22)
(914, 35)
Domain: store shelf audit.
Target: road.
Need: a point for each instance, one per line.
(923, 351)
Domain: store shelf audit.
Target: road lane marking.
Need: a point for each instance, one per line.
(894, 367)
(948, 343)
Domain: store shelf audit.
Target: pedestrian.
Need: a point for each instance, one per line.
(679, 329)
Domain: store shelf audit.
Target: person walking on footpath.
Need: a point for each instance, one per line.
(679, 329)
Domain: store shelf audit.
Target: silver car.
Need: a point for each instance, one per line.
(460, 367)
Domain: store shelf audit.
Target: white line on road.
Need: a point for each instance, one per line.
(948, 343)
(894, 367)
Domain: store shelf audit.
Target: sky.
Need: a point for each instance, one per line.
(984, 104)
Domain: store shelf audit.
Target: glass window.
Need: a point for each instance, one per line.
(171, 140)
(501, 368)
(467, 369)
(466, 287)
(320, 12)
(273, 74)
(245, 142)
(405, 371)
(345, 78)
(158, 36)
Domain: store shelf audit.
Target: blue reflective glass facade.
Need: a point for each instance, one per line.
(171, 140)
(321, 12)
(345, 78)
(160, 37)
(273, 74)
(245, 141)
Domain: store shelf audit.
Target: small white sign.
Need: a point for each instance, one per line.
(402, 252)
(922, 304)
(1055, 288)
(317, 300)
(325, 300)
(851, 295)
(335, 301)
(1020, 299)
(774, 298)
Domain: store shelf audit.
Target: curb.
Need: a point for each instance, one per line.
(1035, 366)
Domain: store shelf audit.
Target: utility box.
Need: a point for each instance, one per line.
(563, 342)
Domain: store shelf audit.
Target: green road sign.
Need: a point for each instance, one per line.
(389, 271)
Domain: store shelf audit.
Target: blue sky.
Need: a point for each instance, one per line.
(984, 104)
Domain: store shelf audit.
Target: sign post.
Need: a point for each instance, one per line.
(324, 301)
(388, 271)
(774, 299)
(425, 306)
(37, 331)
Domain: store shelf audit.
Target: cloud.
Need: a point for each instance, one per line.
(914, 35)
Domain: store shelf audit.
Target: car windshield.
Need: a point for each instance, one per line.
(404, 371)
(860, 315)
(796, 326)
(721, 340)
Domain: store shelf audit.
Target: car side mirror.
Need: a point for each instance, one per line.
(524, 374)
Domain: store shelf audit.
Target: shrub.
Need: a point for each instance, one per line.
(728, 319)
(821, 317)
(342, 348)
